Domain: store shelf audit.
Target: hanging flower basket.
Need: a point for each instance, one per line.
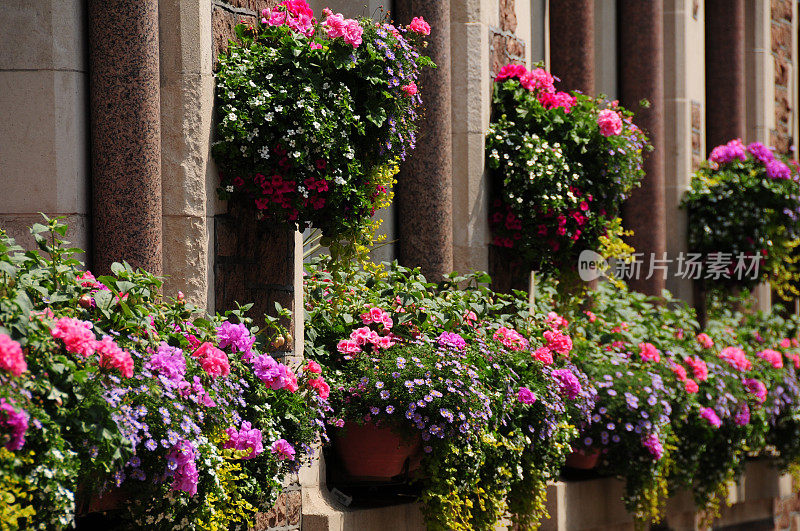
(743, 209)
(311, 115)
(561, 165)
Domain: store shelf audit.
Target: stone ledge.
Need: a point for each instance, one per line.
(762, 499)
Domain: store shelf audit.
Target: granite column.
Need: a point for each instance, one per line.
(572, 44)
(125, 133)
(641, 76)
(726, 113)
(424, 195)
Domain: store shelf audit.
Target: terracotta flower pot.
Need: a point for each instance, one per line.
(583, 460)
(368, 452)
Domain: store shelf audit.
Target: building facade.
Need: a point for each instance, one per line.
(108, 110)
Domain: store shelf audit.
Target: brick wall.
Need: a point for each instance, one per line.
(254, 262)
(505, 46)
(781, 44)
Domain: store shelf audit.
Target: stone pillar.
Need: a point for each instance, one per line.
(126, 133)
(725, 72)
(572, 44)
(189, 179)
(641, 76)
(424, 195)
(684, 99)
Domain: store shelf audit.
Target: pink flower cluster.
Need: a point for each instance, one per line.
(113, 357)
(742, 416)
(320, 386)
(778, 170)
(213, 360)
(526, 396)
(558, 342)
(245, 438)
(568, 383)
(544, 355)
(539, 81)
(510, 338)
(756, 388)
(283, 450)
(648, 352)
(711, 416)
(182, 467)
(347, 28)
(169, 362)
(275, 375)
(733, 150)
(76, 334)
(78, 338)
(452, 340)
(11, 357)
(410, 89)
(13, 425)
(704, 340)
(296, 14)
(773, 357)
(610, 122)
(555, 321)
(736, 358)
(680, 373)
(377, 316)
(237, 336)
(653, 445)
(699, 368)
(418, 25)
(365, 336)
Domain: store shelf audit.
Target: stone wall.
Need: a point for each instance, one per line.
(44, 142)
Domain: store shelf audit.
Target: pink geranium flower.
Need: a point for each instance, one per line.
(410, 89)
(283, 450)
(11, 357)
(418, 25)
(610, 122)
(648, 352)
